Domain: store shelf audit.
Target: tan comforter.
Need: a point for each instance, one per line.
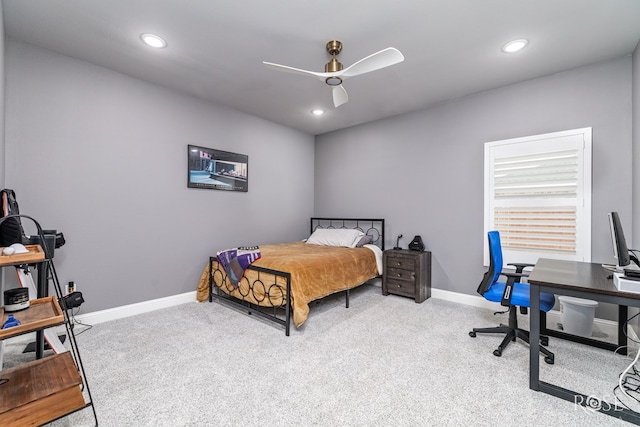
(316, 271)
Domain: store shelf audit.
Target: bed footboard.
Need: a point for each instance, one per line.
(264, 292)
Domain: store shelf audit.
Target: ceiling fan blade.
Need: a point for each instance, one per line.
(339, 96)
(384, 58)
(285, 68)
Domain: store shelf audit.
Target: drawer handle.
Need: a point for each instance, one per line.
(398, 286)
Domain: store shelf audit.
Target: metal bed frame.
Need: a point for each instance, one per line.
(276, 285)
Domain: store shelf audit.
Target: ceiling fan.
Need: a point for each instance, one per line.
(334, 74)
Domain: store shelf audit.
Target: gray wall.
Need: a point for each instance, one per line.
(102, 157)
(423, 171)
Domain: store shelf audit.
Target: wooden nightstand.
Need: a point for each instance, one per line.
(407, 273)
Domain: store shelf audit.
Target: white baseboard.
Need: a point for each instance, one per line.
(601, 326)
(117, 313)
(137, 308)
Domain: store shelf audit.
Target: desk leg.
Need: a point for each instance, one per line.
(623, 314)
(534, 338)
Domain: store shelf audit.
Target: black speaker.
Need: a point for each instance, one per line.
(416, 244)
(72, 300)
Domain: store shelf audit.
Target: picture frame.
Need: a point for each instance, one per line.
(214, 169)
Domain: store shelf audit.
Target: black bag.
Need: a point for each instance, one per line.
(11, 230)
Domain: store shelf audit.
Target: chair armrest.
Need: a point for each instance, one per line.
(520, 266)
(514, 276)
(508, 289)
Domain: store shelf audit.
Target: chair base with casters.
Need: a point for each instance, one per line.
(512, 332)
(512, 294)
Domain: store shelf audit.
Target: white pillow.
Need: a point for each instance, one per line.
(335, 237)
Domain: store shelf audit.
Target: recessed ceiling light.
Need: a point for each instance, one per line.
(515, 45)
(317, 112)
(153, 40)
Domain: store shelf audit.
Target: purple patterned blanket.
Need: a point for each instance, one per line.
(236, 260)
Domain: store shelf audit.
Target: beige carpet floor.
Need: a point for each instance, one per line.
(385, 361)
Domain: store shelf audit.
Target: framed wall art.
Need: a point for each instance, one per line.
(217, 170)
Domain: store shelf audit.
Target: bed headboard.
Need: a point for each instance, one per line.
(371, 227)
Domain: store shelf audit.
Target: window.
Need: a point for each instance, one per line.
(538, 196)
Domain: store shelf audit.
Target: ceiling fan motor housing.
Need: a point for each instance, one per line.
(332, 66)
(334, 47)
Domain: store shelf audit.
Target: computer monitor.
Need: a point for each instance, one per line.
(620, 249)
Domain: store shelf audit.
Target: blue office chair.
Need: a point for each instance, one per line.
(511, 294)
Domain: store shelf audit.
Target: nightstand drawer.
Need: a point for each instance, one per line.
(401, 287)
(404, 263)
(398, 274)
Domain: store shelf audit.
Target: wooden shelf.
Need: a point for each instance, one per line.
(47, 388)
(42, 313)
(40, 391)
(35, 254)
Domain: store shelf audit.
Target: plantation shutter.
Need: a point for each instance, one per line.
(537, 195)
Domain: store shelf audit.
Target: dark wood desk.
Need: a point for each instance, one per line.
(582, 280)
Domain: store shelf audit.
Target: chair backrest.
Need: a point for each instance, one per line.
(495, 262)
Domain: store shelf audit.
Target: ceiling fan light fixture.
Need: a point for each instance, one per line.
(153, 40)
(333, 81)
(515, 45)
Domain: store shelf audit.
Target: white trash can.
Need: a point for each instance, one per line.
(577, 315)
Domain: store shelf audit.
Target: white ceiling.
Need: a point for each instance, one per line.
(216, 47)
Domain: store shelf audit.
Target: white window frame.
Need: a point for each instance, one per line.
(579, 139)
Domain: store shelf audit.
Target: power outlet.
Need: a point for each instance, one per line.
(71, 287)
